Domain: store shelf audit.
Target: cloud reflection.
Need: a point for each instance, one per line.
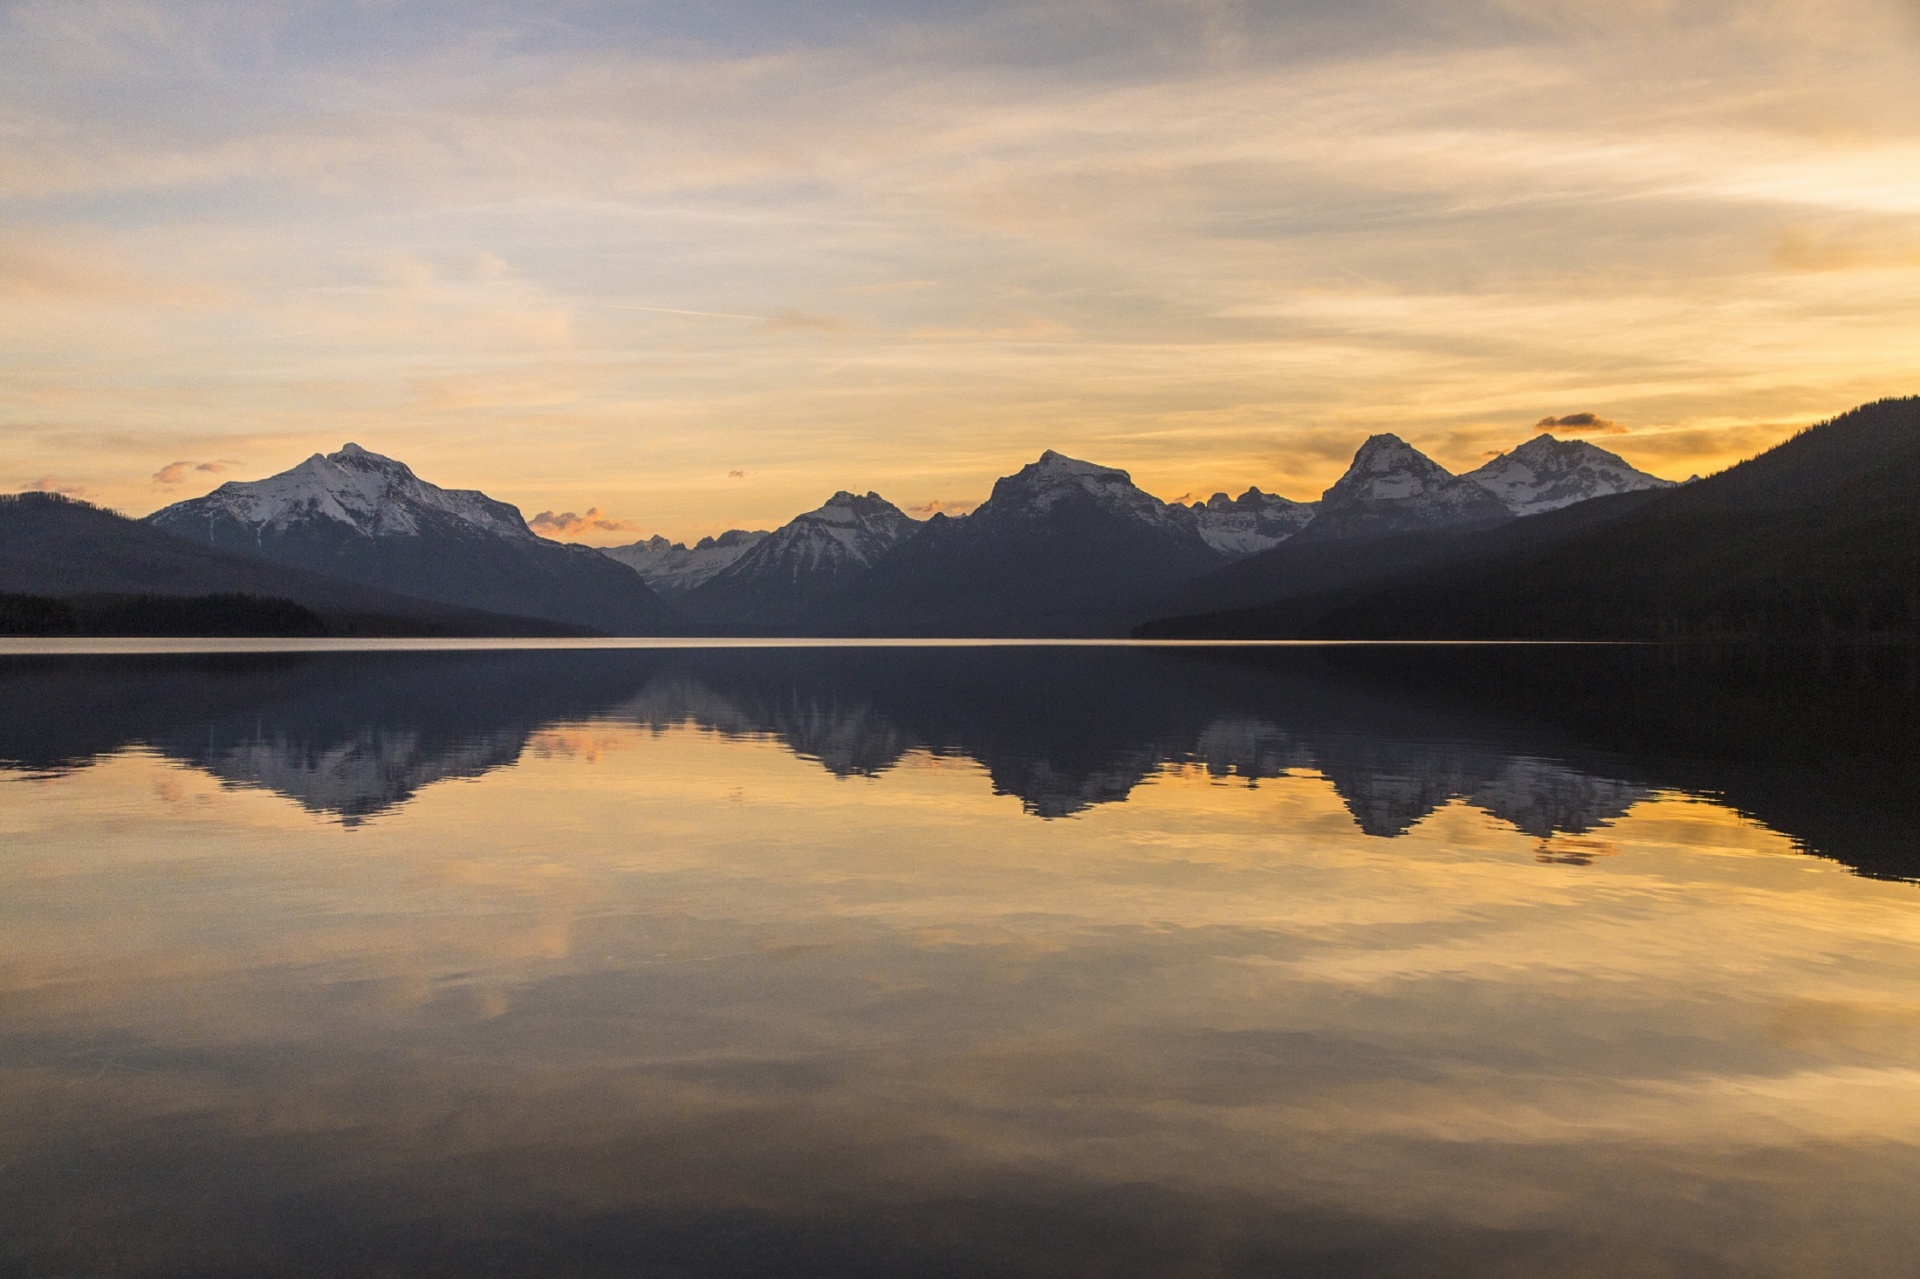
(678, 990)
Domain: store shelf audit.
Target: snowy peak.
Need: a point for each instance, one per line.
(863, 527)
(675, 566)
(1545, 474)
(1252, 522)
(367, 493)
(369, 519)
(1392, 487)
(853, 510)
(1387, 468)
(841, 537)
(1038, 488)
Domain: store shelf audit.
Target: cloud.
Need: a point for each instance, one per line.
(1813, 250)
(567, 524)
(787, 320)
(941, 506)
(54, 484)
(1177, 249)
(1581, 424)
(175, 472)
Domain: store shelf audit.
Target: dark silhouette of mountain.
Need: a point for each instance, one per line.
(366, 518)
(1819, 537)
(782, 576)
(1069, 548)
(240, 615)
(1061, 547)
(100, 562)
(1285, 592)
(1556, 742)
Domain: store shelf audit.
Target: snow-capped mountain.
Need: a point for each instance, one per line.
(372, 495)
(670, 567)
(1054, 550)
(1545, 474)
(1392, 487)
(804, 560)
(366, 518)
(1035, 490)
(1254, 521)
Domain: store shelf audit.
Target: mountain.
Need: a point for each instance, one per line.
(56, 547)
(1546, 474)
(1062, 547)
(803, 562)
(1283, 593)
(1392, 487)
(1254, 521)
(1816, 538)
(675, 567)
(368, 519)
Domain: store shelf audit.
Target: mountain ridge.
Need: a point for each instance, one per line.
(1059, 547)
(1816, 538)
(673, 568)
(368, 518)
(60, 548)
(1062, 546)
(1549, 474)
(784, 575)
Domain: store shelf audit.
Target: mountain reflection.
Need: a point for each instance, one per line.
(1555, 742)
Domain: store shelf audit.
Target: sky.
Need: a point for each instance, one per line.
(693, 266)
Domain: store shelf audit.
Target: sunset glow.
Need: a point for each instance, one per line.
(682, 268)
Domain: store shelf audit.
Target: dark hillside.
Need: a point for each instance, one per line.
(129, 615)
(1817, 538)
(1080, 572)
(58, 548)
(1285, 592)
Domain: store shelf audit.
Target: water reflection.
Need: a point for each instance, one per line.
(1817, 753)
(722, 964)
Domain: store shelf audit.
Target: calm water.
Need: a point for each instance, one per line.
(960, 962)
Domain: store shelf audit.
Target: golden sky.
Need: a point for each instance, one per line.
(697, 267)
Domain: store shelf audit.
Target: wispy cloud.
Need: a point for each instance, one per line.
(176, 472)
(54, 484)
(788, 320)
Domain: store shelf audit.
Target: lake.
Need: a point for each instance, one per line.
(959, 961)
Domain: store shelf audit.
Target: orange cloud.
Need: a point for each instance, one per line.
(941, 506)
(1581, 424)
(175, 472)
(54, 484)
(567, 524)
